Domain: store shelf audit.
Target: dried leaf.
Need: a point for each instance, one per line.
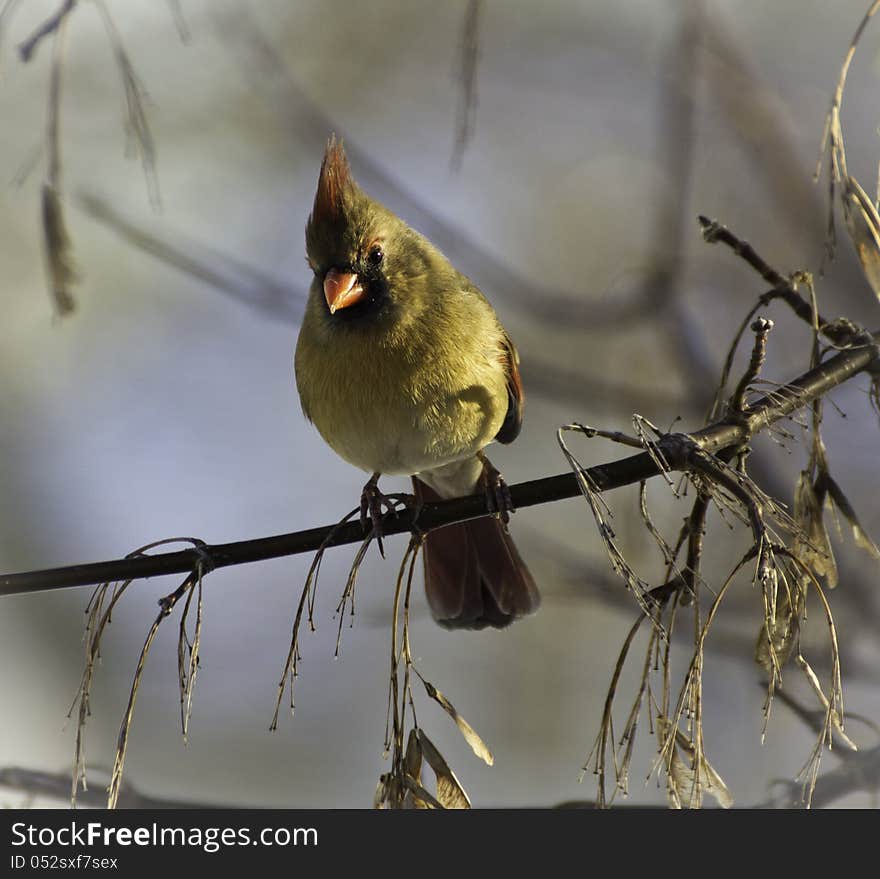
(833, 715)
(716, 787)
(383, 791)
(402, 792)
(783, 632)
(685, 786)
(863, 541)
(450, 793)
(416, 797)
(59, 254)
(840, 500)
(478, 746)
(815, 552)
(863, 225)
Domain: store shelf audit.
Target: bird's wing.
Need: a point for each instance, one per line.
(515, 397)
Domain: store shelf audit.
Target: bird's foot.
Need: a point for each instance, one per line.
(376, 506)
(497, 492)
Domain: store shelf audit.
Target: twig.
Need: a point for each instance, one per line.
(840, 332)
(137, 126)
(166, 606)
(604, 739)
(59, 255)
(280, 301)
(29, 46)
(180, 22)
(467, 78)
(306, 603)
(761, 328)
(696, 530)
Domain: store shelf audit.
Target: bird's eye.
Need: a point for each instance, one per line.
(376, 255)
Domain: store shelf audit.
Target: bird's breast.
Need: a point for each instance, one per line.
(402, 409)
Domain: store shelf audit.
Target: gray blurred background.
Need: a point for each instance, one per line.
(165, 405)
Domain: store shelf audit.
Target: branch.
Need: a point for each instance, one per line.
(724, 434)
(50, 26)
(839, 332)
(37, 783)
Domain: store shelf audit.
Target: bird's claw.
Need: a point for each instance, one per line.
(375, 506)
(372, 501)
(498, 497)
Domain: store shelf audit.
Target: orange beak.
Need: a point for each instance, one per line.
(342, 289)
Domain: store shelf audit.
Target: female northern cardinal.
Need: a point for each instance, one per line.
(404, 369)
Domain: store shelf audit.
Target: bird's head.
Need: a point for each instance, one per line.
(367, 261)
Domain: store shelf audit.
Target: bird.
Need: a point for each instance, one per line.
(404, 368)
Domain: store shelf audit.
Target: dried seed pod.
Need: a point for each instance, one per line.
(59, 254)
(863, 224)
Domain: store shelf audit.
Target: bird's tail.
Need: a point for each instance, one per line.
(474, 574)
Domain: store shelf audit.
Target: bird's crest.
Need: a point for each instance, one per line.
(335, 179)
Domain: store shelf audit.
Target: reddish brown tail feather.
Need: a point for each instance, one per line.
(474, 574)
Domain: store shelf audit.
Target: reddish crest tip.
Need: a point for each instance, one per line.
(335, 177)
